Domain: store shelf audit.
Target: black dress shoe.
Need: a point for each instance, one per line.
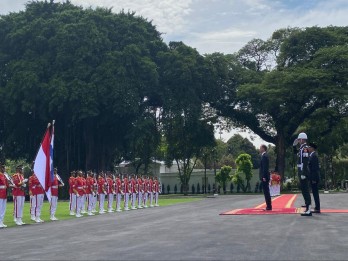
(317, 211)
(268, 208)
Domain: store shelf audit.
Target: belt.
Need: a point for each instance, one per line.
(54, 187)
(3, 187)
(79, 187)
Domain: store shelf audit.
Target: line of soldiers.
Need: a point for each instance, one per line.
(18, 185)
(88, 190)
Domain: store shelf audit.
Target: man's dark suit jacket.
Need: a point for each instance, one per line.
(313, 167)
(264, 167)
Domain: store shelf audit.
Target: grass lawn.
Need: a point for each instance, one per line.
(63, 209)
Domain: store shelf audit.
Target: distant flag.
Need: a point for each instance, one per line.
(42, 164)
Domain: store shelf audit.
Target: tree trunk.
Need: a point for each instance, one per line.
(89, 145)
(280, 152)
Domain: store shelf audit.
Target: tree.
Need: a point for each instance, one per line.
(237, 145)
(244, 168)
(309, 76)
(93, 71)
(223, 176)
(185, 126)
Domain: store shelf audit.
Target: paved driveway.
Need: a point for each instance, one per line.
(188, 231)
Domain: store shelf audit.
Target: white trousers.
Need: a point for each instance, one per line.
(134, 199)
(94, 202)
(38, 204)
(18, 206)
(140, 198)
(32, 205)
(72, 202)
(110, 200)
(101, 202)
(126, 199)
(90, 202)
(3, 202)
(151, 198)
(156, 198)
(79, 204)
(118, 201)
(145, 197)
(83, 206)
(53, 206)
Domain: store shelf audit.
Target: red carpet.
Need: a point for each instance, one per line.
(283, 204)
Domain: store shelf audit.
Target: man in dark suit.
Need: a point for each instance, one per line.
(264, 176)
(314, 177)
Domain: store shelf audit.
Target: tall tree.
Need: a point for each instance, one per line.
(186, 128)
(309, 76)
(90, 70)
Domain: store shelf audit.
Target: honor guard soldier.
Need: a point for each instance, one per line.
(157, 191)
(152, 190)
(72, 205)
(110, 191)
(101, 192)
(79, 192)
(56, 183)
(119, 192)
(38, 197)
(133, 184)
(84, 198)
(126, 190)
(146, 190)
(32, 194)
(140, 191)
(302, 168)
(314, 176)
(3, 195)
(90, 192)
(19, 195)
(95, 193)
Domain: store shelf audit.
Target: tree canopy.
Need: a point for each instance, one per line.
(309, 75)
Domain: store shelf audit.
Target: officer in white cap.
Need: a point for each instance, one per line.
(302, 168)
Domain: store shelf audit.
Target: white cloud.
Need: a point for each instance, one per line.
(169, 16)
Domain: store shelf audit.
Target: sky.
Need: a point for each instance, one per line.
(220, 25)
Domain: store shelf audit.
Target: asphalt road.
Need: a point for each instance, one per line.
(188, 231)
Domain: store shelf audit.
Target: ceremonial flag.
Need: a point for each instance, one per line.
(42, 165)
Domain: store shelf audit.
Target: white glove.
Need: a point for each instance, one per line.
(24, 185)
(303, 177)
(25, 180)
(295, 142)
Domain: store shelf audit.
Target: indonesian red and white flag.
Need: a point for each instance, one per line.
(42, 165)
